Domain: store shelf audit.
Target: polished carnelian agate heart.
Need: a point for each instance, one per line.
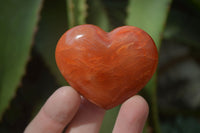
(106, 68)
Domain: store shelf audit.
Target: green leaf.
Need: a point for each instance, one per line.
(76, 12)
(51, 27)
(18, 20)
(96, 7)
(150, 15)
(116, 12)
(37, 85)
(109, 120)
(151, 94)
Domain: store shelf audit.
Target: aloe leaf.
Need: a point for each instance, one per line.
(109, 120)
(52, 25)
(96, 7)
(76, 12)
(18, 21)
(150, 15)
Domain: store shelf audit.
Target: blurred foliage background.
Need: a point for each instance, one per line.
(30, 29)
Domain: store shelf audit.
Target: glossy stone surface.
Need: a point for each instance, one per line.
(106, 68)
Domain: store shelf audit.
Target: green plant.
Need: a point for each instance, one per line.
(29, 31)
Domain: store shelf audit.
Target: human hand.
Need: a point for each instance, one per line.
(66, 107)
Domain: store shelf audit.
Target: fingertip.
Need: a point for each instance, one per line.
(62, 104)
(139, 106)
(132, 115)
(133, 102)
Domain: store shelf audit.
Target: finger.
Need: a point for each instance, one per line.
(57, 112)
(87, 120)
(132, 116)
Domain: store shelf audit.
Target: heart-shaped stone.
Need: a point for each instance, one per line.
(106, 68)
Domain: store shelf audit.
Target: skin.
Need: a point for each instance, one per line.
(67, 108)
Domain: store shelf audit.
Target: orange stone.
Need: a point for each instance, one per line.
(106, 68)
